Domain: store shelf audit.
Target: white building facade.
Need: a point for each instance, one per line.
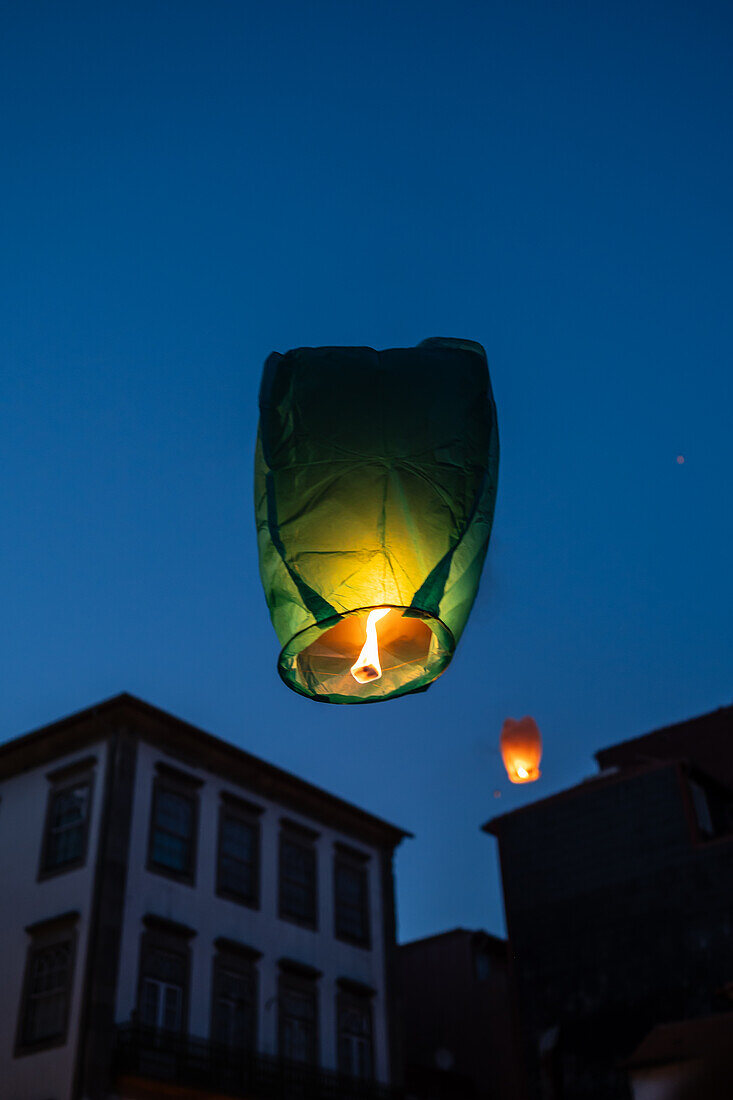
(183, 919)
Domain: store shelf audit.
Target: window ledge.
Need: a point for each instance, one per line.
(35, 1048)
(165, 924)
(238, 899)
(352, 941)
(303, 970)
(185, 878)
(50, 924)
(311, 926)
(63, 869)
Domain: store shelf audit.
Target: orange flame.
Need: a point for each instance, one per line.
(367, 665)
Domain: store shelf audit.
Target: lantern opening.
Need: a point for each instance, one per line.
(367, 665)
(330, 661)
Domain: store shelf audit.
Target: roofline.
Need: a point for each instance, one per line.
(27, 751)
(499, 941)
(493, 825)
(663, 729)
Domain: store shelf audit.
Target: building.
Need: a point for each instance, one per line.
(183, 919)
(619, 905)
(458, 1018)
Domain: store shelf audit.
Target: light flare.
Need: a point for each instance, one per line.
(367, 667)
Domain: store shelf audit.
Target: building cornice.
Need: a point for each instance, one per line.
(194, 748)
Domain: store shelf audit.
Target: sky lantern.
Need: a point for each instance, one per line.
(375, 483)
(521, 749)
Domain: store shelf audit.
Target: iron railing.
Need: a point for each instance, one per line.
(198, 1063)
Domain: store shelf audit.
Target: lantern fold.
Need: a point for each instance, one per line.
(375, 482)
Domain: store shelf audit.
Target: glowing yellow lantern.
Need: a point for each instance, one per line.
(521, 749)
(375, 483)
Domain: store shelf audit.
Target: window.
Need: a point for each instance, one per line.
(354, 1016)
(161, 1002)
(67, 827)
(234, 1009)
(351, 896)
(48, 993)
(712, 806)
(482, 965)
(298, 877)
(173, 826)
(702, 809)
(67, 818)
(238, 860)
(163, 980)
(47, 988)
(297, 1025)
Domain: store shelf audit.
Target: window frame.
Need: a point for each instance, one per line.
(304, 838)
(163, 988)
(247, 814)
(354, 860)
(241, 960)
(349, 999)
(47, 935)
(304, 985)
(169, 937)
(79, 774)
(178, 783)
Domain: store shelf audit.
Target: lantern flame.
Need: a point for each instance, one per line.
(367, 667)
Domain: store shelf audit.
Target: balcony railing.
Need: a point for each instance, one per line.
(198, 1063)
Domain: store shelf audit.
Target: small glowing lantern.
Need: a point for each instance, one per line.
(521, 749)
(375, 483)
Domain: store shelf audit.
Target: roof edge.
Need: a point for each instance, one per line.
(593, 782)
(621, 745)
(459, 931)
(90, 723)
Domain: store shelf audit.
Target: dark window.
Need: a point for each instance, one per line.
(161, 1004)
(47, 1000)
(163, 984)
(355, 1037)
(67, 823)
(234, 1015)
(713, 808)
(297, 1003)
(702, 809)
(238, 865)
(172, 830)
(47, 988)
(161, 991)
(482, 965)
(298, 879)
(351, 900)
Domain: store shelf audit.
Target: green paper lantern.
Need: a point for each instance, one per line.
(375, 483)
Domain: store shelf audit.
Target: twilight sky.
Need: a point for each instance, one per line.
(187, 186)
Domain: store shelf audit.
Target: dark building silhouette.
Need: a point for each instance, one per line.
(619, 905)
(457, 1017)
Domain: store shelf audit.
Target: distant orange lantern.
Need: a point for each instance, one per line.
(521, 749)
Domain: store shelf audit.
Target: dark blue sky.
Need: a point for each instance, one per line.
(188, 186)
